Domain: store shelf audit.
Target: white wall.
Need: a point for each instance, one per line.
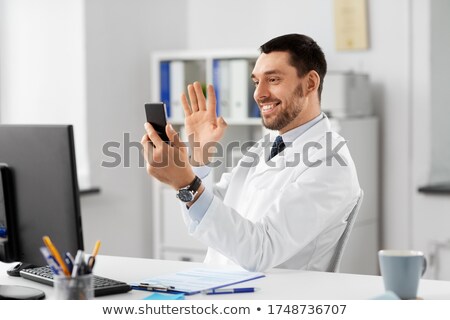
(440, 97)
(42, 67)
(431, 213)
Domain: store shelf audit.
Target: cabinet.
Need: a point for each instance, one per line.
(361, 253)
(170, 237)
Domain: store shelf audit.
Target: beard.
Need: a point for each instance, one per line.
(291, 110)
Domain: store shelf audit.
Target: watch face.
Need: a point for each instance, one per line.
(185, 195)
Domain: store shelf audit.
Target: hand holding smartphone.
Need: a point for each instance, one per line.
(156, 116)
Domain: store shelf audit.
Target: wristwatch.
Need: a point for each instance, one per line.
(188, 193)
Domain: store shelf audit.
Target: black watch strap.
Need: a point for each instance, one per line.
(187, 194)
(195, 185)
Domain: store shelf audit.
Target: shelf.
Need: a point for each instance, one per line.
(442, 188)
(205, 55)
(89, 191)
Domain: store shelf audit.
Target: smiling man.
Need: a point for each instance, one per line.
(269, 214)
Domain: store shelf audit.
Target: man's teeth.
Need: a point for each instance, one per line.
(267, 107)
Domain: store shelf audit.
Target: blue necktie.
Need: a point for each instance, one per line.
(277, 147)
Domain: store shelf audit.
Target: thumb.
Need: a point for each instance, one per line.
(221, 123)
(174, 137)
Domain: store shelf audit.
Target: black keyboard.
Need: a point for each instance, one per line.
(102, 286)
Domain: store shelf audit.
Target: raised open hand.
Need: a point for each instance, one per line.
(203, 128)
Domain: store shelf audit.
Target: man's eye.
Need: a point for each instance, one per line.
(273, 79)
(255, 83)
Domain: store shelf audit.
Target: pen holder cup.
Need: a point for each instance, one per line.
(78, 288)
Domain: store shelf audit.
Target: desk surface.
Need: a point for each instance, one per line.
(278, 284)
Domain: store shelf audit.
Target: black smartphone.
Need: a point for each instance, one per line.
(156, 116)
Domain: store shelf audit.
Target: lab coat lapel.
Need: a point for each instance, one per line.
(289, 154)
(314, 135)
(263, 165)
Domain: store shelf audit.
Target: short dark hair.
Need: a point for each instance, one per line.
(305, 53)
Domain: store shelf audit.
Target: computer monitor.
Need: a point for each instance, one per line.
(45, 194)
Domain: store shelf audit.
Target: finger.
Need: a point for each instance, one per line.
(153, 135)
(185, 104)
(174, 137)
(200, 96)
(193, 98)
(144, 140)
(170, 132)
(222, 123)
(145, 145)
(211, 99)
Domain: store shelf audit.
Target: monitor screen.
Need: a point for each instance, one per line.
(41, 160)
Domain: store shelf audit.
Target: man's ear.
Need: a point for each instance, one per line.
(312, 81)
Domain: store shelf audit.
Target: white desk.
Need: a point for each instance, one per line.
(278, 283)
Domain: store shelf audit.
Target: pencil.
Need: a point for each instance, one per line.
(91, 260)
(96, 248)
(48, 243)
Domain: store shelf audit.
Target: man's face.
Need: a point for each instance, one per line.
(278, 90)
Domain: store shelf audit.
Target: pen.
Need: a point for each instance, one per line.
(91, 260)
(228, 291)
(48, 243)
(77, 263)
(69, 261)
(154, 287)
(50, 260)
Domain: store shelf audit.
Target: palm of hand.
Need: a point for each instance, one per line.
(203, 128)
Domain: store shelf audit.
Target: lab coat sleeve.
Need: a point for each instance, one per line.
(220, 188)
(198, 210)
(296, 217)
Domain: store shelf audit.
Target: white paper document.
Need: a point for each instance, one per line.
(198, 279)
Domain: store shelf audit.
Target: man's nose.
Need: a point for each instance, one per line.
(261, 92)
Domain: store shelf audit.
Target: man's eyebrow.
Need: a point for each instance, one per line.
(266, 73)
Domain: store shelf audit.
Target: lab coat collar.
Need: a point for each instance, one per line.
(313, 134)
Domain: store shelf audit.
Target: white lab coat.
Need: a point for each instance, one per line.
(282, 216)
